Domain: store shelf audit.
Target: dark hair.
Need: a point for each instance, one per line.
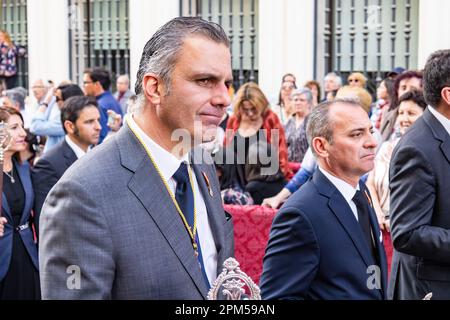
(73, 107)
(317, 85)
(436, 76)
(389, 84)
(415, 96)
(69, 90)
(101, 75)
(283, 79)
(161, 51)
(33, 142)
(405, 75)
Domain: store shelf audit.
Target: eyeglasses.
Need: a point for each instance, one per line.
(286, 88)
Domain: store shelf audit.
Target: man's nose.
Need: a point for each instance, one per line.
(221, 96)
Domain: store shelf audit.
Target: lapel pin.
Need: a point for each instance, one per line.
(208, 184)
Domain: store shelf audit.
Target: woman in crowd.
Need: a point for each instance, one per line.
(295, 128)
(254, 134)
(404, 82)
(8, 63)
(411, 106)
(19, 276)
(314, 86)
(283, 109)
(385, 92)
(357, 79)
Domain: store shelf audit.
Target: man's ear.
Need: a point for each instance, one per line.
(320, 146)
(69, 126)
(445, 95)
(153, 88)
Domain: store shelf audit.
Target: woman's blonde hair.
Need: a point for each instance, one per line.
(7, 38)
(358, 93)
(252, 93)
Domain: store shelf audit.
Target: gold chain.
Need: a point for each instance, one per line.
(192, 232)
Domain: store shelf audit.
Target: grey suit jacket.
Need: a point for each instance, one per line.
(420, 212)
(111, 220)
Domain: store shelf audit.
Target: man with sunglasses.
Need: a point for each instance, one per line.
(96, 83)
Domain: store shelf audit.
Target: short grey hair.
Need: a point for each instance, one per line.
(320, 124)
(161, 52)
(334, 75)
(16, 96)
(308, 94)
(124, 77)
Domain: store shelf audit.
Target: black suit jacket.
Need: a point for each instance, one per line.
(49, 169)
(420, 212)
(317, 250)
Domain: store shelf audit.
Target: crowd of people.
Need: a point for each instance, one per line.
(97, 180)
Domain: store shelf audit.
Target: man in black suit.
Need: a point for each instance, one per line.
(80, 117)
(325, 241)
(420, 202)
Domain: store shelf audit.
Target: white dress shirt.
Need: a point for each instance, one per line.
(442, 119)
(76, 149)
(347, 191)
(168, 165)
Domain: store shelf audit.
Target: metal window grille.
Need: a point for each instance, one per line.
(369, 36)
(99, 37)
(240, 21)
(13, 19)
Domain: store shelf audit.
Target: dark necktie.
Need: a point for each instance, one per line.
(363, 218)
(185, 199)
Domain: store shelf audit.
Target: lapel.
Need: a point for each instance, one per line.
(148, 187)
(24, 173)
(6, 211)
(68, 154)
(344, 214)
(216, 216)
(439, 132)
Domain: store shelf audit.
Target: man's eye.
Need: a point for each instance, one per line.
(203, 82)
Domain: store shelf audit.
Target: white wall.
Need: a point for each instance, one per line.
(286, 43)
(434, 28)
(48, 40)
(146, 16)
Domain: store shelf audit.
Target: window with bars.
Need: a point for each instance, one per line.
(99, 37)
(13, 19)
(369, 36)
(239, 19)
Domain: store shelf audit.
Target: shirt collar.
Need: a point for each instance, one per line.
(443, 120)
(76, 149)
(347, 191)
(167, 163)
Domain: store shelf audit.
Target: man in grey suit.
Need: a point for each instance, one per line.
(140, 217)
(420, 202)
